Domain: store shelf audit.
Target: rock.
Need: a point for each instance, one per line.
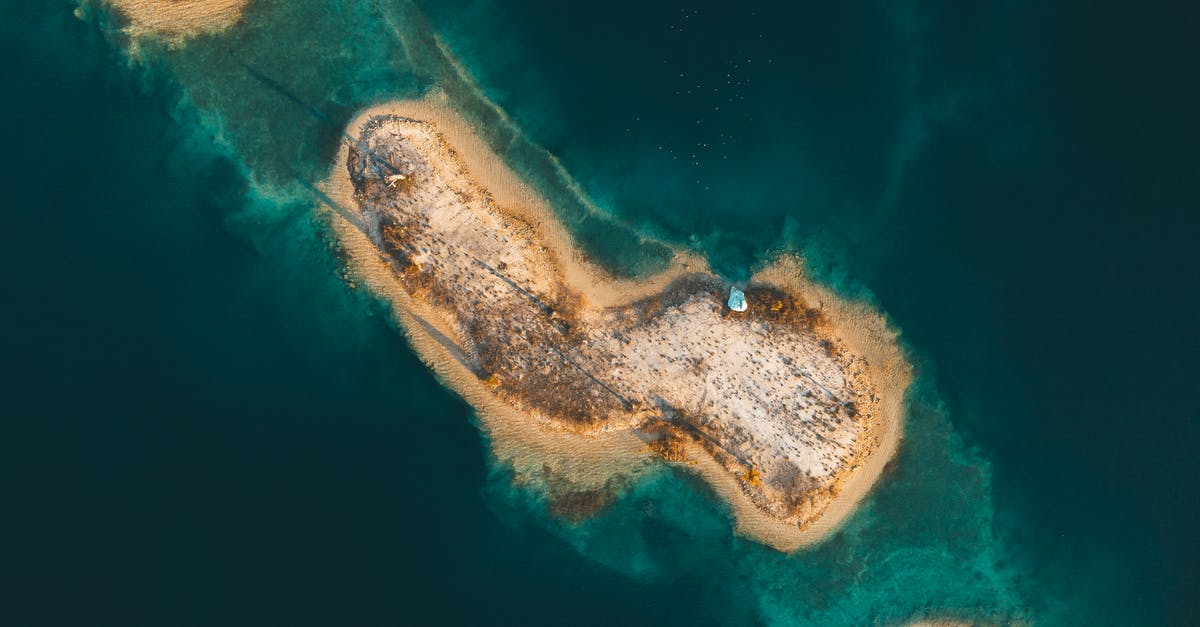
(737, 299)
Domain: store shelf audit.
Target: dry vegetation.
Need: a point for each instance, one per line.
(769, 393)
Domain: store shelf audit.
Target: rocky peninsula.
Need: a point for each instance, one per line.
(788, 403)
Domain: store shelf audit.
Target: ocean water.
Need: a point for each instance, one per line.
(208, 425)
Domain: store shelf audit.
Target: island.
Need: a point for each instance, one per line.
(784, 397)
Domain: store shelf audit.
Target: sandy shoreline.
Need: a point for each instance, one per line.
(177, 20)
(536, 448)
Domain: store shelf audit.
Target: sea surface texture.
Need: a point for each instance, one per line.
(210, 423)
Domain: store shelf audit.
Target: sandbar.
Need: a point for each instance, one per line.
(177, 20)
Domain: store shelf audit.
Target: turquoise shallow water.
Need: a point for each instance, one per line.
(210, 426)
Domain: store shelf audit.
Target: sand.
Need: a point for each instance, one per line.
(539, 450)
(177, 20)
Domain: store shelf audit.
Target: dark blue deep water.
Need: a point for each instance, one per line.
(203, 423)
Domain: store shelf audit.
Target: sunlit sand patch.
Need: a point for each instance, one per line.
(789, 411)
(178, 20)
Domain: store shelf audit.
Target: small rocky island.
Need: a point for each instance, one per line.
(759, 379)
